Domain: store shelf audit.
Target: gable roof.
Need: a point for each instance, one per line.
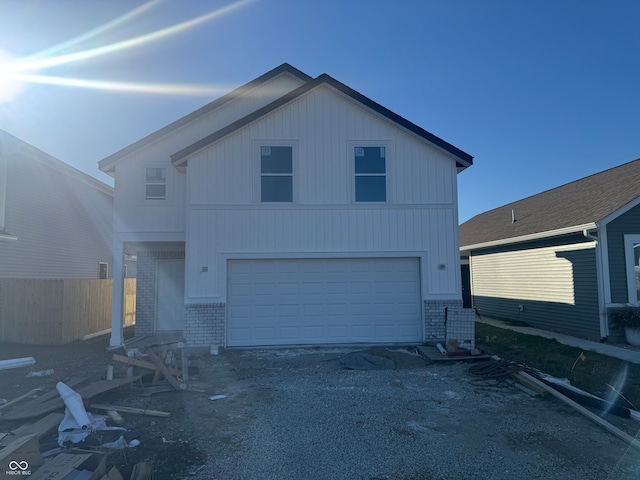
(463, 159)
(569, 208)
(11, 144)
(107, 164)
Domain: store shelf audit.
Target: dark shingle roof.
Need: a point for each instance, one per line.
(585, 201)
(465, 159)
(107, 164)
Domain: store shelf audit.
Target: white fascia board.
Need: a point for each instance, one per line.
(530, 237)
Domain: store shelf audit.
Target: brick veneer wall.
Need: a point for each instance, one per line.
(204, 324)
(435, 317)
(146, 288)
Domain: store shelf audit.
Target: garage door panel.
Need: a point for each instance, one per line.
(265, 333)
(265, 311)
(313, 332)
(240, 289)
(289, 311)
(289, 288)
(336, 288)
(337, 332)
(268, 289)
(320, 301)
(311, 310)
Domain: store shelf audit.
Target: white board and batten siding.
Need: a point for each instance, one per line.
(169, 215)
(218, 235)
(323, 127)
(227, 221)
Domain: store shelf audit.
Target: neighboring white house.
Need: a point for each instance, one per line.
(291, 211)
(55, 221)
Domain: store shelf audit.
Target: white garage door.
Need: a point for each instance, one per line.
(323, 301)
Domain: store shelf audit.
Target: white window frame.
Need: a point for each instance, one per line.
(257, 148)
(629, 257)
(148, 182)
(351, 156)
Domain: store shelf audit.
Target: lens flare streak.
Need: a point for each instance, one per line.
(28, 69)
(165, 88)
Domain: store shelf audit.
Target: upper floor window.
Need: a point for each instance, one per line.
(156, 184)
(370, 174)
(276, 174)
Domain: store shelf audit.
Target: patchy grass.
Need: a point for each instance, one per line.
(596, 374)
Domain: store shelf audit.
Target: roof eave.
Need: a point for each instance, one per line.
(463, 159)
(107, 164)
(530, 237)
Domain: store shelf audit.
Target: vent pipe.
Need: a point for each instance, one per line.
(513, 215)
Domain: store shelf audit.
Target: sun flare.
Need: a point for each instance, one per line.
(17, 73)
(10, 85)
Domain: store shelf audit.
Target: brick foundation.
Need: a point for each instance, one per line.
(435, 318)
(204, 324)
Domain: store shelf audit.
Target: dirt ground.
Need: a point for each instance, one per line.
(203, 436)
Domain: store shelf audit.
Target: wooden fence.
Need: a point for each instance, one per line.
(56, 312)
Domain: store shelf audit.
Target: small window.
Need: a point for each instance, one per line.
(156, 186)
(370, 173)
(276, 174)
(103, 271)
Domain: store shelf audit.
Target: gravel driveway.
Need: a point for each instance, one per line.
(298, 414)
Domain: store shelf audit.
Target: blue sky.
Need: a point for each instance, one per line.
(540, 92)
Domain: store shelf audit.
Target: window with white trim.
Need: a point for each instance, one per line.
(370, 174)
(276, 174)
(156, 183)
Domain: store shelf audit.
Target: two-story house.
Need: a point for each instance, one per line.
(291, 211)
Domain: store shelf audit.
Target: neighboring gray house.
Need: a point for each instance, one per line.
(559, 259)
(55, 221)
(291, 211)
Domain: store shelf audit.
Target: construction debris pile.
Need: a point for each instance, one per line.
(66, 433)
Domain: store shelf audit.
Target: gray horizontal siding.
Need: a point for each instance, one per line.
(555, 285)
(625, 224)
(64, 225)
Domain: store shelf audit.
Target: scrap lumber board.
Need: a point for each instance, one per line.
(587, 413)
(115, 417)
(50, 395)
(21, 397)
(141, 363)
(432, 354)
(86, 392)
(156, 375)
(141, 411)
(529, 384)
(39, 428)
(164, 369)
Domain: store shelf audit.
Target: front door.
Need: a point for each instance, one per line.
(170, 295)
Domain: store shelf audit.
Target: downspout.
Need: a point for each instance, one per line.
(604, 321)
